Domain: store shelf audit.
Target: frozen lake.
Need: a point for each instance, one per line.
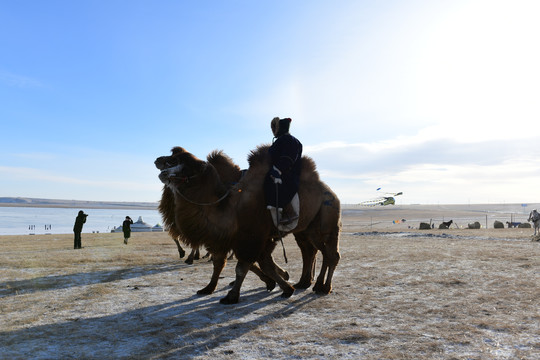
(33, 220)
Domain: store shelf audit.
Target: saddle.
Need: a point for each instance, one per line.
(295, 203)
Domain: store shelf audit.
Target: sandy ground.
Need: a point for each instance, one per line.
(399, 293)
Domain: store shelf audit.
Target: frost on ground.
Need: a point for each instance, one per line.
(395, 297)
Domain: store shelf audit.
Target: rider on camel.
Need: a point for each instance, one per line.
(281, 182)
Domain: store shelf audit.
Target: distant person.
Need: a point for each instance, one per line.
(77, 228)
(281, 183)
(126, 228)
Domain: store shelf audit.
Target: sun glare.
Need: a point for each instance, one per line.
(480, 71)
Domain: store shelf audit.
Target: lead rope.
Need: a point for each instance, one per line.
(284, 253)
(277, 225)
(205, 204)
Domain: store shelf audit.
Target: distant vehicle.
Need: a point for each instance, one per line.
(383, 200)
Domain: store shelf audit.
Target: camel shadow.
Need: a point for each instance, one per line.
(234, 325)
(179, 329)
(54, 282)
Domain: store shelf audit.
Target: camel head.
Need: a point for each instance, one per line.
(179, 168)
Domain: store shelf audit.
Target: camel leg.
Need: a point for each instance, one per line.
(270, 283)
(242, 267)
(331, 258)
(190, 257)
(269, 267)
(181, 251)
(319, 284)
(281, 272)
(219, 261)
(309, 260)
(194, 255)
(327, 289)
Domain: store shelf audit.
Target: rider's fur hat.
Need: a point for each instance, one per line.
(280, 126)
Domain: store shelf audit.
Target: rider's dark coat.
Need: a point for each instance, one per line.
(286, 155)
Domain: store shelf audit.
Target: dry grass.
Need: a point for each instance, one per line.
(472, 294)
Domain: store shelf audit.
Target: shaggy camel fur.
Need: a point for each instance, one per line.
(205, 211)
(230, 175)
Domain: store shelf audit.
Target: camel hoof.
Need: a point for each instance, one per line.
(302, 285)
(271, 285)
(229, 299)
(189, 261)
(287, 293)
(322, 289)
(205, 291)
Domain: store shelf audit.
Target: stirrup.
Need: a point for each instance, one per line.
(287, 220)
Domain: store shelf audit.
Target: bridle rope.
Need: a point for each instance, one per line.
(205, 204)
(186, 179)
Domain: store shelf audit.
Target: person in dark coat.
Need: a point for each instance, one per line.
(281, 182)
(126, 228)
(77, 228)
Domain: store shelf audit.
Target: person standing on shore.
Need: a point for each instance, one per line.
(77, 228)
(126, 228)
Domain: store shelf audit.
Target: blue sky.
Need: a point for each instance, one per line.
(438, 99)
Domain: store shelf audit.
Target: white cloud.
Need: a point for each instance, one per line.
(443, 103)
(19, 81)
(430, 171)
(433, 183)
(36, 156)
(40, 176)
(478, 72)
(467, 70)
(438, 99)
(29, 182)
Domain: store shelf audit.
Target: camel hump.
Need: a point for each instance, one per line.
(218, 156)
(227, 170)
(309, 170)
(259, 155)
